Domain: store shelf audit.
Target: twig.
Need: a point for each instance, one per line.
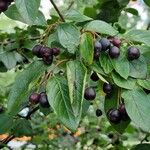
(71, 4)
(56, 8)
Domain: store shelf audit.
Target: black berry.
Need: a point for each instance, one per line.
(107, 88)
(98, 113)
(97, 46)
(122, 110)
(89, 93)
(44, 100)
(36, 50)
(56, 51)
(105, 44)
(116, 42)
(94, 77)
(114, 52)
(114, 116)
(34, 98)
(3, 5)
(110, 135)
(97, 53)
(133, 53)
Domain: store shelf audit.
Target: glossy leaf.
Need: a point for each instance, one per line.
(76, 75)
(138, 101)
(144, 83)
(19, 91)
(69, 36)
(87, 47)
(101, 27)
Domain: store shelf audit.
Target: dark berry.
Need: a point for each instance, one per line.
(105, 44)
(36, 50)
(46, 51)
(89, 93)
(114, 52)
(3, 6)
(56, 51)
(1, 109)
(97, 53)
(107, 88)
(44, 100)
(110, 135)
(94, 77)
(34, 98)
(98, 113)
(122, 110)
(133, 53)
(114, 116)
(97, 46)
(48, 59)
(116, 42)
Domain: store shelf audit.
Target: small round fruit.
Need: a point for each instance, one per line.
(48, 59)
(94, 77)
(34, 98)
(133, 53)
(3, 6)
(114, 116)
(116, 42)
(36, 50)
(89, 93)
(56, 51)
(105, 44)
(107, 88)
(110, 135)
(97, 53)
(122, 110)
(46, 51)
(114, 52)
(98, 46)
(98, 113)
(44, 100)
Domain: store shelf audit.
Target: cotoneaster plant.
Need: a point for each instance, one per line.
(76, 62)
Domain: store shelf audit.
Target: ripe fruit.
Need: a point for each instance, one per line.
(94, 77)
(110, 135)
(116, 42)
(46, 51)
(98, 46)
(105, 44)
(107, 88)
(34, 98)
(56, 51)
(89, 93)
(98, 113)
(48, 59)
(114, 52)
(133, 53)
(36, 50)
(114, 116)
(44, 100)
(3, 6)
(97, 53)
(122, 110)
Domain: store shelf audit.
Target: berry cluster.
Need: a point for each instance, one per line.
(40, 98)
(45, 53)
(117, 115)
(111, 46)
(4, 5)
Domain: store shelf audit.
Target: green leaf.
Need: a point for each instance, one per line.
(121, 66)
(106, 63)
(6, 122)
(121, 82)
(58, 96)
(144, 83)
(76, 75)
(142, 36)
(138, 101)
(111, 102)
(69, 36)
(101, 27)
(22, 127)
(123, 2)
(28, 9)
(138, 68)
(76, 16)
(19, 91)
(87, 47)
(147, 2)
(141, 147)
(132, 11)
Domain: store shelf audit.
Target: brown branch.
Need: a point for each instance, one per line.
(56, 8)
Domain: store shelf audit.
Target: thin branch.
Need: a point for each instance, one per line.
(71, 4)
(56, 8)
